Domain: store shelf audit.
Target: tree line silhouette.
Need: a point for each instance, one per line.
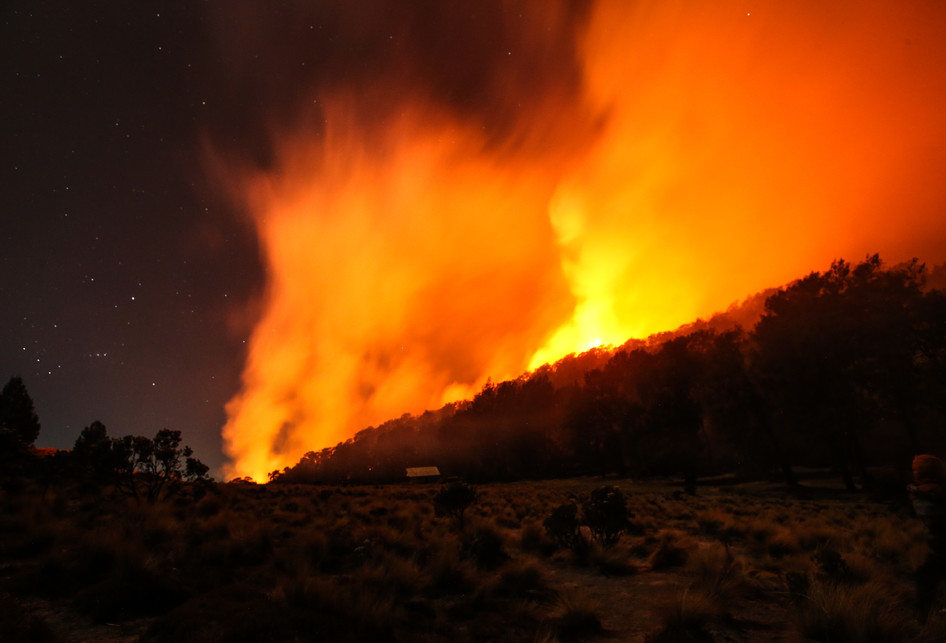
(844, 368)
(140, 467)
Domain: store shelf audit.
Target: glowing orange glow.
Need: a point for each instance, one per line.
(399, 280)
(736, 150)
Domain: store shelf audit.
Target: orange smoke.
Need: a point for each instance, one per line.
(716, 149)
(399, 280)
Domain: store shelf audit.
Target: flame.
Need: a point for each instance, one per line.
(398, 281)
(715, 151)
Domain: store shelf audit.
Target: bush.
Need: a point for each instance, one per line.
(838, 612)
(605, 512)
(453, 500)
(563, 528)
(533, 538)
(485, 547)
(831, 563)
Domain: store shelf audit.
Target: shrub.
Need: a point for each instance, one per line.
(485, 547)
(563, 528)
(533, 538)
(831, 563)
(719, 575)
(454, 499)
(208, 507)
(605, 513)
(448, 575)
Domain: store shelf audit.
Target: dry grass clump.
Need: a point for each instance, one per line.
(720, 524)
(898, 542)
(392, 575)
(448, 574)
(523, 579)
(671, 551)
(484, 546)
(781, 543)
(868, 612)
(718, 574)
(249, 543)
(612, 561)
(574, 619)
(532, 538)
(686, 619)
(813, 535)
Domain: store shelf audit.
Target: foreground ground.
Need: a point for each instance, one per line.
(241, 562)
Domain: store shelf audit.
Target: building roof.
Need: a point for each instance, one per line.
(422, 472)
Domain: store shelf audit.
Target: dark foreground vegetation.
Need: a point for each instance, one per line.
(559, 560)
(845, 368)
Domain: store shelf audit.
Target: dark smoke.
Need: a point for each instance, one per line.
(490, 63)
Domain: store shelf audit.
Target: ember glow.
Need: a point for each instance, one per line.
(706, 151)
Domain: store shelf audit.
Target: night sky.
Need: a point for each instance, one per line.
(122, 275)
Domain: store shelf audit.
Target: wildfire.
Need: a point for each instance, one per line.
(707, 153)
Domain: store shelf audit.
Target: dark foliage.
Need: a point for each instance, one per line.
(564, 529)
(17, 415)
(454, 499)
(19, 426)
(606, 515)
(143, 468)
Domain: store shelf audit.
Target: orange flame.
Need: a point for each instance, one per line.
(733, 150)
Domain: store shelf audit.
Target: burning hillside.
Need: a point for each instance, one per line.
(445, 194)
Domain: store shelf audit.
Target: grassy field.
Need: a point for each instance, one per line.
(242, 562)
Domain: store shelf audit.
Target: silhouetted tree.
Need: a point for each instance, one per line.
(93, 455)
(800, 361)
(674, 414)
(834, 348)
(736, 411)
(152, 469)
(19, 427)
(19, 423)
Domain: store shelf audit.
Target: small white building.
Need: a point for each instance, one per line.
(423, 474)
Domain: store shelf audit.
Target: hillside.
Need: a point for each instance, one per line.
(842, 367)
